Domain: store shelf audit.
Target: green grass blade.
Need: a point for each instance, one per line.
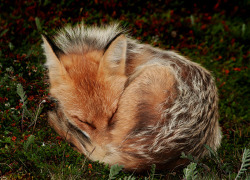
(38, 24)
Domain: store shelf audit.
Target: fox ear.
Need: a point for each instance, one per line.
(114, 58)
(52, 52)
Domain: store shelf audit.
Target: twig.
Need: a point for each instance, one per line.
(43, 101)
(7, 165)
(22, 121)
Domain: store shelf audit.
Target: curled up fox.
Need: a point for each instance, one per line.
(128, 103)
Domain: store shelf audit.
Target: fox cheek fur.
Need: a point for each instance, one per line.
(122, 102)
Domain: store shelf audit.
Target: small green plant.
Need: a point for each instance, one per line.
(26, 112)
(152, 171)
(128, 178)
(23, 96)
(114, 170)
(192, 20)
(189, 157)
(38, 24)
(245, 163)
(190, 172)
(212, 153)
(243, 30)
(151, 177)
(29, 141)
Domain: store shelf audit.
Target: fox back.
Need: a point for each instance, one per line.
(123, 102)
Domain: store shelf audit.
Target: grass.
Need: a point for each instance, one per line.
(215, 34)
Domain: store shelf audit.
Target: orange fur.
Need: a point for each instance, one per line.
(131, 104)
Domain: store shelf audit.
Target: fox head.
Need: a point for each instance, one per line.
(88, 84)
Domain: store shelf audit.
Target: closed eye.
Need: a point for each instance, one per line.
(85, 122)
(90, 125)
(84, 136)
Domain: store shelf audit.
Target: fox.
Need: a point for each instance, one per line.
(120, 101)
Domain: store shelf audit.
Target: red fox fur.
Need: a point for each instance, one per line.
(122, 102)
